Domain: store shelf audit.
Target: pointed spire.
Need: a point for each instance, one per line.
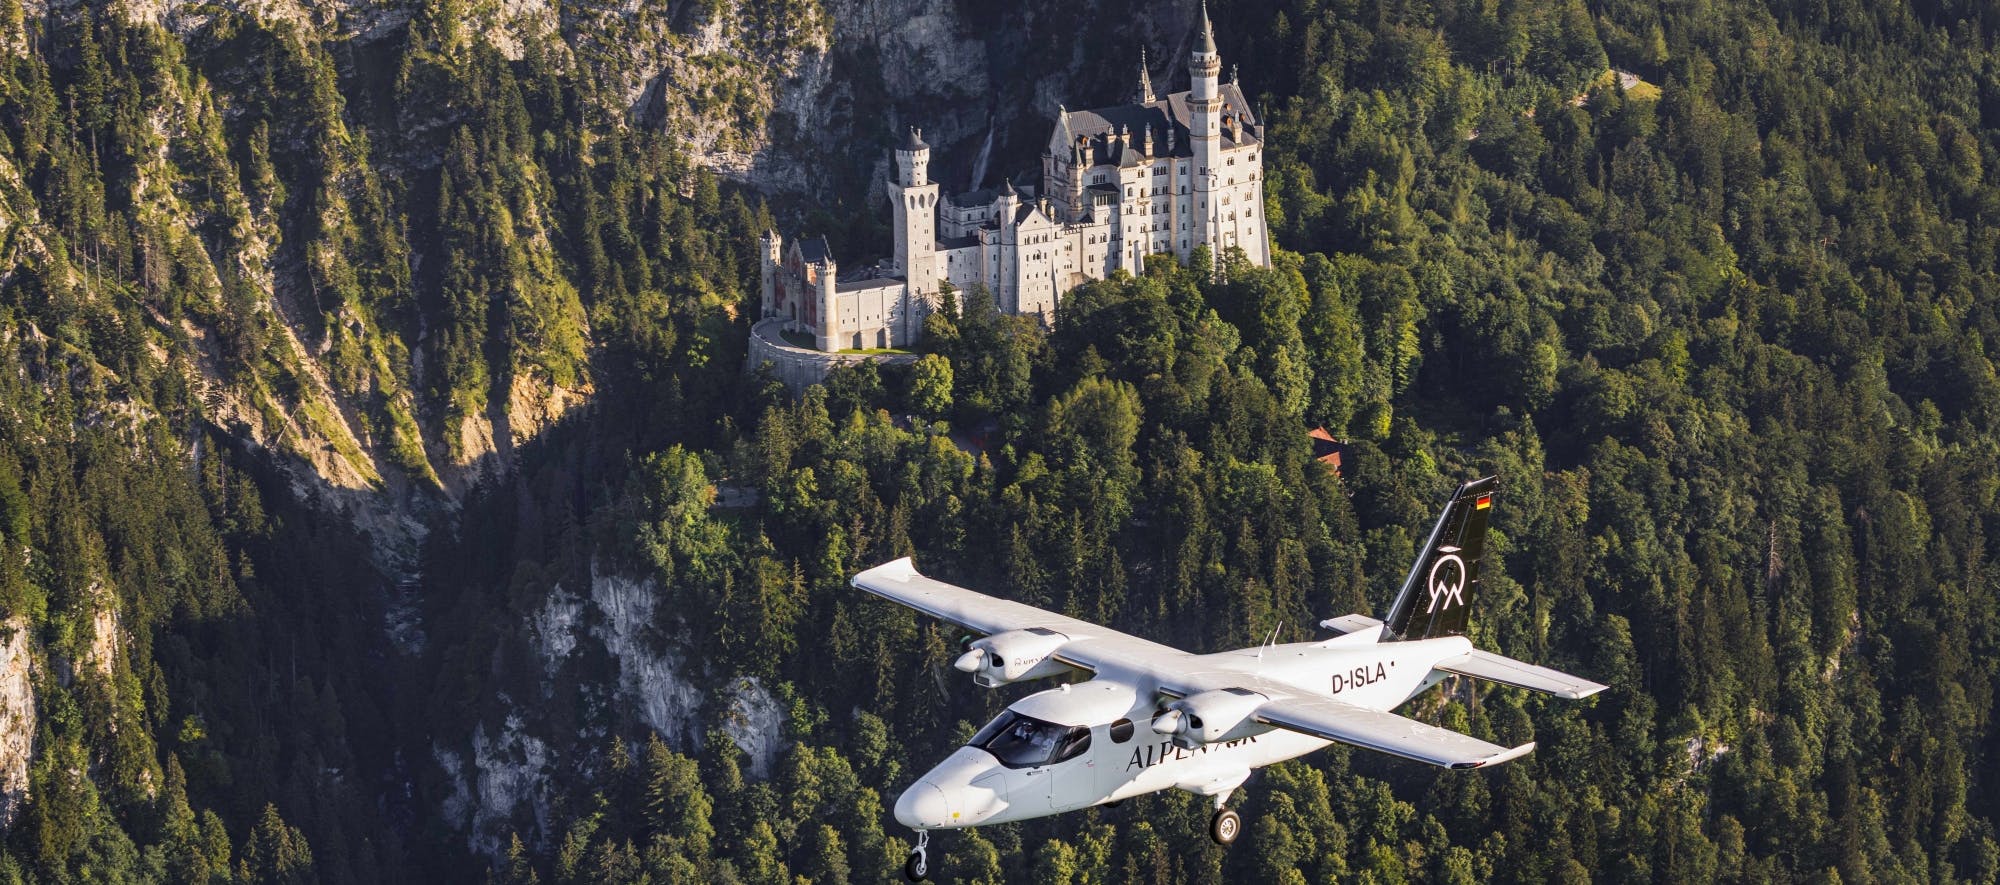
(1007, 187)
(1075, 149)
(1145, 79)
(1207, 30)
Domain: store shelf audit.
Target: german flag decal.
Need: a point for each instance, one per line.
(1484, 502)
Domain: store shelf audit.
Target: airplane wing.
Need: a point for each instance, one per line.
(1308, 712)
(900, 582)
(1386, 732)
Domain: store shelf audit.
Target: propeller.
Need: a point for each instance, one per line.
(970, 661)
(1170, 722)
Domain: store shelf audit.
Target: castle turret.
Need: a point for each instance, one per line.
(913, 160)
(1205, 129)
(915, 197)
(1145, 80)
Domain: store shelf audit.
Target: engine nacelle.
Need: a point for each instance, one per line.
(1211, 717)
(1013, 656)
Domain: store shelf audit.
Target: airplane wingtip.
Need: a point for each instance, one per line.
(895, 570)
(1502, 756)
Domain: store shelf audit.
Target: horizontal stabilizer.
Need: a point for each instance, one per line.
(1385, 732)
(1350, 623)
(1520, 674)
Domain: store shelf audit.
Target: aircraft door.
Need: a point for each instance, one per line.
(1031, 787)
(1067, 780)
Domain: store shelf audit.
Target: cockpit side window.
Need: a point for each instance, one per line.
(1073, 743)
(1026, 742)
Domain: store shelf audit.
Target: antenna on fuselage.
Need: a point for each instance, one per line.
(1270, 641)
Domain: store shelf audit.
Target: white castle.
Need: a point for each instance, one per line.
(1161, 175)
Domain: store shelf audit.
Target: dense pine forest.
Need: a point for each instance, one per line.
(384, 498)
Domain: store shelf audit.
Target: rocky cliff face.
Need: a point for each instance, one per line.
(17, 717)
(504, 779)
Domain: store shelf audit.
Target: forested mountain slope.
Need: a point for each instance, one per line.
(384, 500)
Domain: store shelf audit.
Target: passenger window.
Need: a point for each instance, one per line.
(1121, 731)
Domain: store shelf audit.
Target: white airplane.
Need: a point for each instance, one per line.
(1155, 717)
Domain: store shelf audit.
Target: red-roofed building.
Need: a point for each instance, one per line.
(1327, 450)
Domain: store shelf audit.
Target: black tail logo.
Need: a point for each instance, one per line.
(1433, 599)
(1447, 581)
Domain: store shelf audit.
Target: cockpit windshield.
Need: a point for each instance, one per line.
(1025, 742)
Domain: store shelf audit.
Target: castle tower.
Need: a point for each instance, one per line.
(830, 337)
(772, 259)
(1006, 291)
(1205, 130)
(1073, 208)
(915, 197)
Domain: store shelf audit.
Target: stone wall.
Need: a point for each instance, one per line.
(800, 367)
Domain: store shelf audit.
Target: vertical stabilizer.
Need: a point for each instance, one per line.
(1441, 583)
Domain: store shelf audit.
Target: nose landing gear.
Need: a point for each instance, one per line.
(917, 868)
(1226, 824)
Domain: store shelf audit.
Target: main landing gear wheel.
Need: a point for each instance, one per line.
(1225, 826)
(917, 868)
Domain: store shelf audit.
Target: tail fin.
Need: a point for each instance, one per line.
(1433, 599)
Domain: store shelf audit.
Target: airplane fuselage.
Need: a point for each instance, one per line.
(1126, 757)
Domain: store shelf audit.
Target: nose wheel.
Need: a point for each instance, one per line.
(917, 868)
(1225, 826)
